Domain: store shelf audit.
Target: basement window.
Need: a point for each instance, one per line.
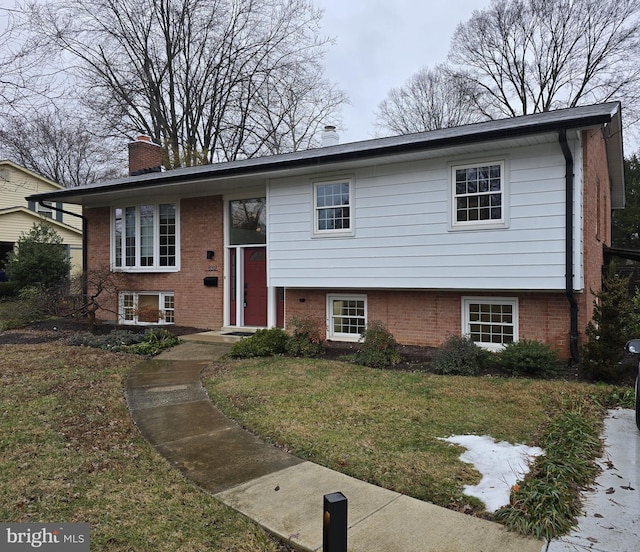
(491, 322)
(146, 307)
(347, 316)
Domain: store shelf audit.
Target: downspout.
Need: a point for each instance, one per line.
(569, 188)
(84, 243)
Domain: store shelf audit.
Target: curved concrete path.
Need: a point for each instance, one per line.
(277, 490)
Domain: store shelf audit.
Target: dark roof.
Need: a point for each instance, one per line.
(571, 118)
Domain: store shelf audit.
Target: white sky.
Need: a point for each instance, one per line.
(380, 44)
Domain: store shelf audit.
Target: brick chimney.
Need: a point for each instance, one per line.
(144, 156)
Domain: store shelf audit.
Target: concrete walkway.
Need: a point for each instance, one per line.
(277, 490)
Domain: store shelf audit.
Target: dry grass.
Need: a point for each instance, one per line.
(70, 452)
(385, 426)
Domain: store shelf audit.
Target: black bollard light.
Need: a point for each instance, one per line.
(334, 533)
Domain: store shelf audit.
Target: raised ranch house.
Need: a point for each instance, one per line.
(17, 215)
(495, 230)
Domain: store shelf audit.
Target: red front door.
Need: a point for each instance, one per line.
(255, 286)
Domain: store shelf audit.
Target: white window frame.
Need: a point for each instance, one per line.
(44, 210)
(343, 336)
(466, 322)
(131, 318)
(503, 221)
(317, 232)
(138, 267)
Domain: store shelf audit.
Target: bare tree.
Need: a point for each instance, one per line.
(87, 291)
(195, 75)
(529, 56)
(429, 100)
(58, 145)
(290, 111)
(25, 76)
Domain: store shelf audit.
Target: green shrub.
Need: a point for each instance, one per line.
(8, 289)
(546, 503)
(459, 355)
(38, 258)
(148, 342)
(308, 338)
(261, 344)
(30, 306)
(529, 358)
(378, 349)
(154, 341)
(612, 326)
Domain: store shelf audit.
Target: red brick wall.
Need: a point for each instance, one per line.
(596, 219)
(414, 317)
(201, 229)
(427, 318)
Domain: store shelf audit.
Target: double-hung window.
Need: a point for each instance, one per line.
(145, 237)
(478, 195)
(333, 207)
(490, 322)
(347, 316)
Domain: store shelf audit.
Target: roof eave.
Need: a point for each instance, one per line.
(362, 150)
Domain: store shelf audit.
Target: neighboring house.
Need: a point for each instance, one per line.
(494, 229)
(17, 214)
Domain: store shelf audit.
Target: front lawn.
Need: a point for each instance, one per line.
(70, 452)
(384, 426)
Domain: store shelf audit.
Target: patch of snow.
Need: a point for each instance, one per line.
(501, 465)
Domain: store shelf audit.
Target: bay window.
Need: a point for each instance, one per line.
(145, 237)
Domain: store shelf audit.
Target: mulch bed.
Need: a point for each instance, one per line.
(414, 358)
(61, 329)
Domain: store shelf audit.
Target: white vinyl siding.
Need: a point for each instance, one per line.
(403, 238)
(17, 184)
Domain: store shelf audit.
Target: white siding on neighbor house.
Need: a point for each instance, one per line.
(402, 229)
(12, 225)
(16, 185)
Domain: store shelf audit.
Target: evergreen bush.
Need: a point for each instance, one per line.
(8, 289)
(378, 349)
(459, 355)
(529, 358)
(613, 324)
(263, 343)
(38, 259)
